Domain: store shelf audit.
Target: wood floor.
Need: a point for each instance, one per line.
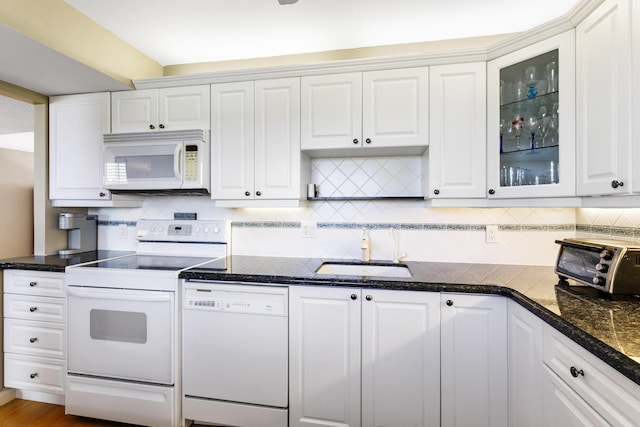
(26, 413)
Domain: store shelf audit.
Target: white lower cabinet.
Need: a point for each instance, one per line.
(369, 352)
(524, 367)
(473, 360)
(583, 390)
(34, 334)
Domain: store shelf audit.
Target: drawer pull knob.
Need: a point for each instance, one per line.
(368, 297)
(354, 296)
(575, 372)
(32, 309)
(32, 284)
(32, 376)
(449, 302)
(33, 339)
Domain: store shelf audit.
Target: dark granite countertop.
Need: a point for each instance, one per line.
(608, 326)
(55, 263)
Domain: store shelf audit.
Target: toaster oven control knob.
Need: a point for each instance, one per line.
(599, 281)
(602, 268)
(606, 254)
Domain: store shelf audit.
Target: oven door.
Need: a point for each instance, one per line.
(125, 334)
(143, 165)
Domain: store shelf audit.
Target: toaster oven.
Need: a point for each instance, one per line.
(608, 265)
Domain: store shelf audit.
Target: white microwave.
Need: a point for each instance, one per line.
(157, 161)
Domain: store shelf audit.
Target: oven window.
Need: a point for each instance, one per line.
(579, 263)
(123, 326)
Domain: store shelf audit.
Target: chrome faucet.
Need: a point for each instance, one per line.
(397, 256)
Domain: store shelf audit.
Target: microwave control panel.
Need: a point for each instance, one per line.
(191, 168)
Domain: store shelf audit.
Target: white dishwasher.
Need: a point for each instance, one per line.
(235, 348)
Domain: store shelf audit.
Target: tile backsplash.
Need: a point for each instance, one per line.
(333, 228)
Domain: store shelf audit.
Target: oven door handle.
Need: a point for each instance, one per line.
(121, 296)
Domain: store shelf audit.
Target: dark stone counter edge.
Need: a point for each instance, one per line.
(617, 360)
(612, 357)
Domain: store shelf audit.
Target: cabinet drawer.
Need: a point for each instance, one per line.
(34, 373)
(611, 394)
(30, 307)
(34, 338)
(34, 283)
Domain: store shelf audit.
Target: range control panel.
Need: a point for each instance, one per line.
(171, 230)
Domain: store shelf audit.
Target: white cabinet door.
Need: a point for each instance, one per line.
(76, 126)
(512, 167)
(161, 109)
(400, 358)
(134, 111)
(604, 84)
(457, 123)
(324, 356)
(524, 367)
(387, 110)
(563, 407)
(184, 108)
(277, 139)
(232, 140)
(395, 108)
(473, 360)
(331, 111)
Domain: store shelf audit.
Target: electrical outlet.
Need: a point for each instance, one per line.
(122, 228)
(492, 234)
(308, 228)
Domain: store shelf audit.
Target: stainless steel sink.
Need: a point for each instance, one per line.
(346, 269)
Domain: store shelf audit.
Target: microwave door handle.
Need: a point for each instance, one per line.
(177, 164)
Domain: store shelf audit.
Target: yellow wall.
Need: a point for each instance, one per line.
(56, 24)
(16, 217)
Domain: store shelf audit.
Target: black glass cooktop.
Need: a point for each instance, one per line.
(153, 262)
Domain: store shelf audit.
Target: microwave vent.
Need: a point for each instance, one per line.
(157, 136)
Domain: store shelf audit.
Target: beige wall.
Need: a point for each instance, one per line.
(16, 211)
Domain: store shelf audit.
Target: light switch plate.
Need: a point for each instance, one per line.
(492, 234)
(308, 229)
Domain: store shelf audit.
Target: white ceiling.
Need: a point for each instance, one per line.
(191, 31)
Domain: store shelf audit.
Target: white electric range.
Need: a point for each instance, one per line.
(123, 322)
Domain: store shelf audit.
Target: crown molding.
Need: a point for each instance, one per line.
(482, 54)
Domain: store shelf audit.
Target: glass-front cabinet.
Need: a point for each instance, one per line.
(531, 121)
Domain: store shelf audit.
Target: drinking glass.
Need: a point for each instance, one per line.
(532, 126)
(552, 77)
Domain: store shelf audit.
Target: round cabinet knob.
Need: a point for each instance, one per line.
(492, 191)
(32, 284)
(102, 194)
(368, 140)
(368, 297)
(449, 302)
(161, 126)
(258, 193)
(575, 373)
(32, 309)
(616, 184)
(32, 376)
(33, 339)
(355, 141)
(354, 296)
(246, 193)
(152, 127)
(436, 191)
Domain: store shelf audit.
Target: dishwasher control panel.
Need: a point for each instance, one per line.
(236, 298)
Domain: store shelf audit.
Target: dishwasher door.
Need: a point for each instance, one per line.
(235, 343)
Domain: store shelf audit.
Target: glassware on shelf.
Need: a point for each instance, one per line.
(530, 78)
(520, 90)
(552, 77)
(545, 122)
(532, 127)
(517, 124)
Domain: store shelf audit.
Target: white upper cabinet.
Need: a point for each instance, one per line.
(531, 136)
(604, 83)
(255, 143)
(457, 136)
(161, 109)
(384, 112)
(76, 126)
